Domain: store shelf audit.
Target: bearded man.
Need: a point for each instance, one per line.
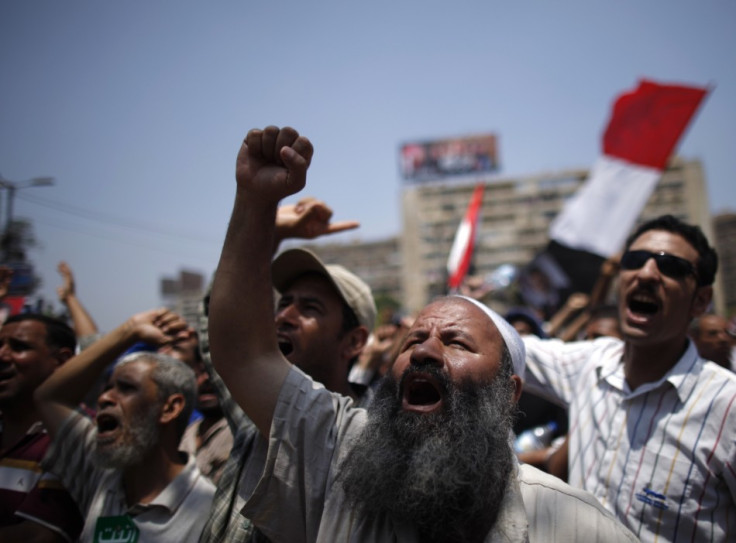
(431, 461)
(125, 471)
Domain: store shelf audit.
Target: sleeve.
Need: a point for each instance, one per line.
(553, 367)
(70, 458)
(286, 483)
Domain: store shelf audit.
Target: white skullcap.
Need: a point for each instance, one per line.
(512, 339)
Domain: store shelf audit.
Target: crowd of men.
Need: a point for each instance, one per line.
(289, 413)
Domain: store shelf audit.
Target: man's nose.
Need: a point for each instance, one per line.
(649, 270)
(428, 352)
(107, 397)
(5, 353)
(286, 314)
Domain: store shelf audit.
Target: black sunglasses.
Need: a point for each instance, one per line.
(670, 265)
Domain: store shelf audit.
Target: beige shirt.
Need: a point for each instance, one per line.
(288, 484)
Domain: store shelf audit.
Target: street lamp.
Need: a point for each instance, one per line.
(12, 187)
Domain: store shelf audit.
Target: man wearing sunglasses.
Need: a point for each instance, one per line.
(652, 425)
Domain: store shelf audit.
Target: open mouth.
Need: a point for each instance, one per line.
(107, 425)
(285, 345)
(643, 304)
(421, 392)
(6, 375)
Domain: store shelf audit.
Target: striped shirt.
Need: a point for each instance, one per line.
(28, 492)
(661, 457)
(225, 523)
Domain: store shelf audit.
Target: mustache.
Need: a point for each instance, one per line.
(440, 376)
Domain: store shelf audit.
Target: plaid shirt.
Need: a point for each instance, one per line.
(225, 523)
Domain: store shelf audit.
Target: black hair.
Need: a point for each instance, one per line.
(58, 333)
(707, 263)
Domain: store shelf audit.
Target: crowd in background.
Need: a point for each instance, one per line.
(134, 431)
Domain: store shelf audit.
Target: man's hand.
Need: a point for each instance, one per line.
(158, 327)
(67, 287)
(272, 163)
(308, 219)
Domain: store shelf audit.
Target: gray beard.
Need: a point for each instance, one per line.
(138, 439)
(447, 473)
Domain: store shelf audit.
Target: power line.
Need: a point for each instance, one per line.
(194, 255)
(106, 218)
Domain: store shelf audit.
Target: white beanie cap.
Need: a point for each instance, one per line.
(513, 341)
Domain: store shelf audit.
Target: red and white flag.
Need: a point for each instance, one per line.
(462, 248)
(645, 126)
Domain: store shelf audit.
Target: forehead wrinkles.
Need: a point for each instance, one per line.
(456, 315)
(441, 317)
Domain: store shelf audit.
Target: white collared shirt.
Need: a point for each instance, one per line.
(178, 513)
(661, 457)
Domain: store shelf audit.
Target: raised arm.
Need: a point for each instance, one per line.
(271, 165)
(82, 321)
(307, 219)
(60, 394)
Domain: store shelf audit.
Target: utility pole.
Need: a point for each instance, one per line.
(12, 249)
(12, 187)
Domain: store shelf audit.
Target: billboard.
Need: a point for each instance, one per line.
(439, 159)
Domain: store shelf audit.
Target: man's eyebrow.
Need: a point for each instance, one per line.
(457, 333)
(312, 300)
(416, 332)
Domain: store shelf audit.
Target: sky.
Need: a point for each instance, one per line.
(138, 108)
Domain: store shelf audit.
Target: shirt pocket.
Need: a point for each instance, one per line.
(661, 492)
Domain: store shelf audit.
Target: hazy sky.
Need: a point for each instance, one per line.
(138, 109)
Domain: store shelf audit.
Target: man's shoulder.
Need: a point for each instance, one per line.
(32, 446)
(548, 497)
(724, 375)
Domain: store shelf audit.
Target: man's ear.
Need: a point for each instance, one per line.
(354, 341)
(172, 408)
(701, 301)
(518, 385)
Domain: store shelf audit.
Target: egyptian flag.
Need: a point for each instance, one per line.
(644, 129)
(462, 248)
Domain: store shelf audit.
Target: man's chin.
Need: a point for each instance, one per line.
(115, 457)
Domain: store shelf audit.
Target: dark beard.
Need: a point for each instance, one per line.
(445, 472)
